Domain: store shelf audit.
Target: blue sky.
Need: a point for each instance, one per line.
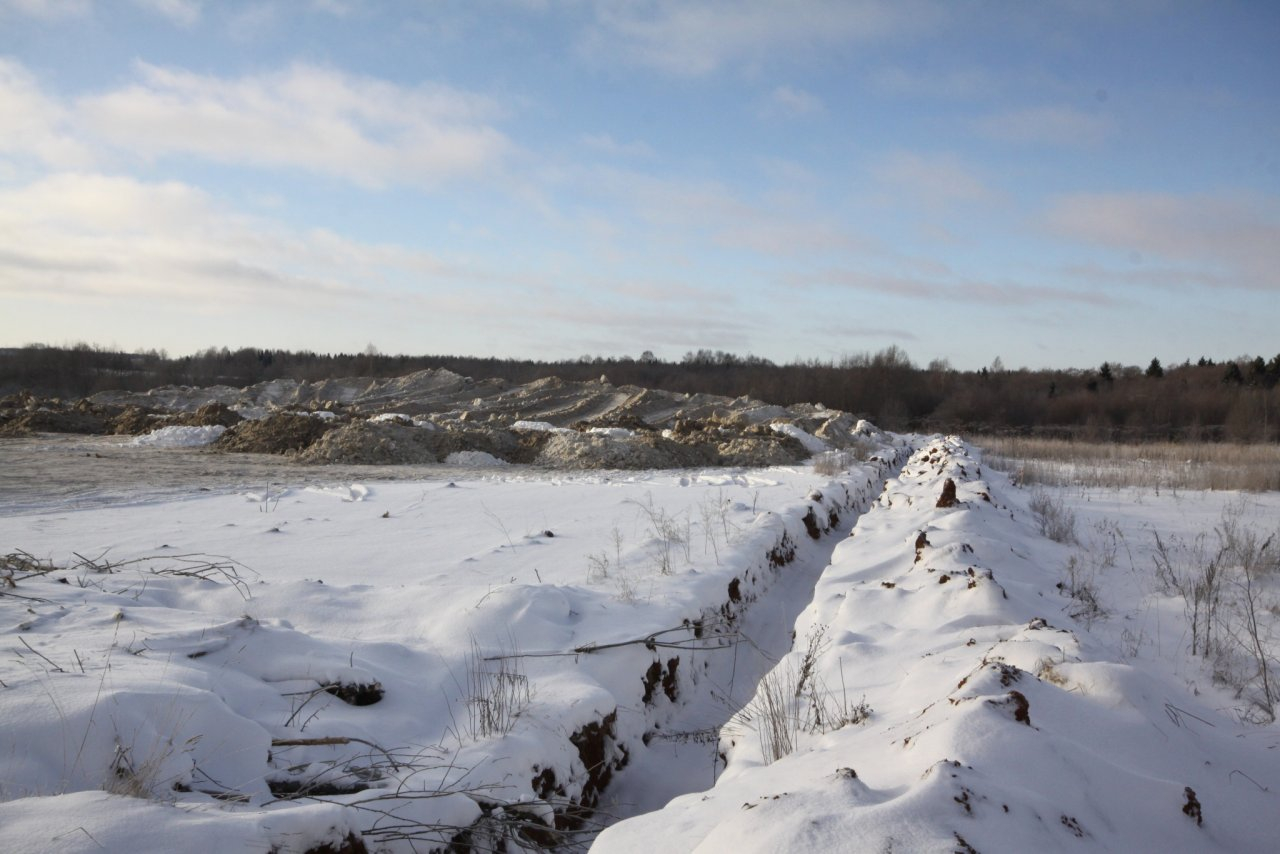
(1052, 183)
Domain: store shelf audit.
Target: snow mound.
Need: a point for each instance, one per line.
(538, 427)
(473, 458)
(929, 704)
(811, 443)
(179, 437)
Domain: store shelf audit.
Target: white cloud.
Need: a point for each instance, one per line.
(935, 180)
(337, 8)
(959, 84)
(35, 125)
(73, 236)
(790, 102)
(360, 129)
(183, 13)
(946, 287)
(48, 10)
(253, 20)
(693, 37)
(1213, 240)
(605, 143)
(1045, 125)
(699, 213)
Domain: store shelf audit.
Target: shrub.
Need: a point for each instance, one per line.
(1055, 520)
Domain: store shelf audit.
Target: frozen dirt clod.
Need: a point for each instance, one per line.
(214, 414)
(275, 434)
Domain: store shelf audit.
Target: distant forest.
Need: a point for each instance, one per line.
(1195, 401)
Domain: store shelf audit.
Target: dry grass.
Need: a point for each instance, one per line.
(792, 699)
(1154, 465)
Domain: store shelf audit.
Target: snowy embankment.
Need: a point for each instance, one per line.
(408, 664)
(939, 699)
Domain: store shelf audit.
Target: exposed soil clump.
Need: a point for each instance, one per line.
(78, 419)
(275, 434)
(211, 415)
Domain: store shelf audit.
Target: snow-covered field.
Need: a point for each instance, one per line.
(500, 652)
(514, 658)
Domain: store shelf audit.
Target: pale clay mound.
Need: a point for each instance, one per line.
(426, 416)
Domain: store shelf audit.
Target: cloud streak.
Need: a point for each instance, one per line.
(698, 37)
(953, 288)
(367, 131)
(362, 130)
(72, 236)
(934, 180)
(183, 13)
(1051, 125)
(789, 102)
(1212, 240)
(36, 126)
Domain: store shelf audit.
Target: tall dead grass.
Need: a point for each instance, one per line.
(1152, 465)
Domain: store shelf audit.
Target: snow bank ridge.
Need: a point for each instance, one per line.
(988, 721)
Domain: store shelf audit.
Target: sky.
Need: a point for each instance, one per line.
(1054, 183)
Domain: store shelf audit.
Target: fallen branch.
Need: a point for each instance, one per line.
(333, 741)
(648, 642)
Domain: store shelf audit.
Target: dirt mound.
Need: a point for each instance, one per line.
(134, 421)
(594, 450)
(395, 442)
(276, 434)
(365, 443)
(613, 427)
(214, 414)
(760, 450)
(54, 421)
(642, 451)
(623, 420)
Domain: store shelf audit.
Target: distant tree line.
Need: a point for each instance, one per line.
(1192, 401)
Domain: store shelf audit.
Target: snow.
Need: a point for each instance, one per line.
(811, 443)
(611, 432)
(185, 641)
(179, 437)
(538, 427)
(997, 722)
(194, 653)
(478, 459)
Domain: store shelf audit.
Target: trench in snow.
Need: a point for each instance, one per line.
(679, 752)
